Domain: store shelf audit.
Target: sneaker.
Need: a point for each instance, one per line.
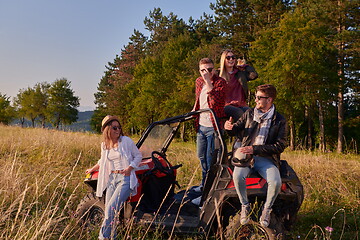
(265, 217)
(198, 189)
(245, 214)
(196, 201)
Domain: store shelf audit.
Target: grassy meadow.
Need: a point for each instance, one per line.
(42, 173)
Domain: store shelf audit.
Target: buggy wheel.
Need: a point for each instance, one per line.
(90, 211)
(252, 231)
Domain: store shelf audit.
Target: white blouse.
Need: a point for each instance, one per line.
(130, 155)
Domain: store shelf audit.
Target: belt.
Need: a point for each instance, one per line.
(116, 171)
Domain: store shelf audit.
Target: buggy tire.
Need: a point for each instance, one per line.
(91, 211)
(252, 230)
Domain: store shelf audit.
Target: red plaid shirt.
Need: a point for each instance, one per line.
(215, 98)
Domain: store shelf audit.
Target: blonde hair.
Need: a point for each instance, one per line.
(223, 73)
(107, 135)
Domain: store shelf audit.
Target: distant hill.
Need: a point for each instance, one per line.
(83, 122)
(81, 125)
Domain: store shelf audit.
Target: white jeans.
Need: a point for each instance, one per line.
(117, 192)
(267, 169)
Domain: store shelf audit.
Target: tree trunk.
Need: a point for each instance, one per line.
(322, 146)
(182, 132)
(308, 142)
(341, 45)
(57, 124)
(292, 133)
(340, 145)
(42, 121)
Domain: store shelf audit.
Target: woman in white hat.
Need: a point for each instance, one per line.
(119, 158)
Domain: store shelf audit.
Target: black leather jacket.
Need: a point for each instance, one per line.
(276, 141)
(244, 75)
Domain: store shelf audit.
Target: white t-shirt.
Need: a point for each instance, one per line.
(205, 119)
(117, 162)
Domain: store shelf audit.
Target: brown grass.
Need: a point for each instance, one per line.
(42, 174)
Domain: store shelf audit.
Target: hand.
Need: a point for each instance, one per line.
(205, 74)
(127, 171)
(234, 103)
(228, 124)
(93, 169)
(247, 149)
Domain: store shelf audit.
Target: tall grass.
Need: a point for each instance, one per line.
(42, 174)
(332, 199)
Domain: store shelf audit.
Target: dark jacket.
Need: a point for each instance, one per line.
(275, 142)
(246, 73)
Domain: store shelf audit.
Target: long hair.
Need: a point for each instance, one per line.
(223, 72)
(107, 137)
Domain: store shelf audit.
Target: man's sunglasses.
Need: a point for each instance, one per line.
(230, 57)
(260, 97)
(115, 128)
(209, 69)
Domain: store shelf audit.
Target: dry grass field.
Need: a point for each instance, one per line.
(42, 173)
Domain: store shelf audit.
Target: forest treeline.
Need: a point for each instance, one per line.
(44, 103)
(308, 49)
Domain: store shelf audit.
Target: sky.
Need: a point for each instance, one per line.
(45, 40)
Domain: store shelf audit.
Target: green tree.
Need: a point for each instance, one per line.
(303, 57)
(31, 103)
(24, 103)
(118, 92)
(239, 21)
(146, 92)
(345, 19)
(205, 29)
(62, 105)
(162, 28)
(342, 17)
(6, 110)
(297, 58)
(96, 118)
(111, 97)
(41, 98)
(20, 103)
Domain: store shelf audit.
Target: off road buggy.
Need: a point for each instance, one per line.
(157, 205)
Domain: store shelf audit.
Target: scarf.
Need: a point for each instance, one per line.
(264, 119)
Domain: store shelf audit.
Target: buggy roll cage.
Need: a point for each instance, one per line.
(174, 122)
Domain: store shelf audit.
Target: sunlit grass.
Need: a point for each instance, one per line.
(42, 173)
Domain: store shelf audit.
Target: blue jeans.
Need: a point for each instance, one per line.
(205, 148)
(117, 192)
(267, 169)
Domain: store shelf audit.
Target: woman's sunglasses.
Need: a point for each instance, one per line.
(230, 57)
(115, 128)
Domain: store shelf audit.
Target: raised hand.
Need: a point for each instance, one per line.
(228, 124)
